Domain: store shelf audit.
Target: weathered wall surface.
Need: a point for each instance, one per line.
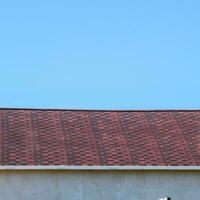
(99, 185)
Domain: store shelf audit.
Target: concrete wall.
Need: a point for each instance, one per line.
(99, 185)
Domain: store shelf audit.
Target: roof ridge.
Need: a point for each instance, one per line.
(102, 110)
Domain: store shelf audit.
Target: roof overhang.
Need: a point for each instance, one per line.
(99, 168)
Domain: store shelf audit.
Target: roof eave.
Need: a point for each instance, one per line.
(100, 168)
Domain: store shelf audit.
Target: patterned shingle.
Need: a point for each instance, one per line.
(78, 137)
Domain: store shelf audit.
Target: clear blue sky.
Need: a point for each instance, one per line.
(104, 54)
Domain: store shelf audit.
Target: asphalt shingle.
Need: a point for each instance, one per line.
(84, 137)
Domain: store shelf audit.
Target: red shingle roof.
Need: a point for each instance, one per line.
(77, 137)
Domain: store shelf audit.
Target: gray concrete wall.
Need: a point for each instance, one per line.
(99, 185)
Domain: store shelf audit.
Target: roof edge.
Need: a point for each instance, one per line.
(102, 110)
(98, 168)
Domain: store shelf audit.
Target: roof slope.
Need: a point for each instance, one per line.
(78, 137)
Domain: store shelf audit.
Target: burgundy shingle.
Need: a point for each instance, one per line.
(78, 137)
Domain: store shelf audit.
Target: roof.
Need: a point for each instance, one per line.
(99, 138)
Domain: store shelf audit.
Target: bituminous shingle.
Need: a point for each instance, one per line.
(82, 137)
